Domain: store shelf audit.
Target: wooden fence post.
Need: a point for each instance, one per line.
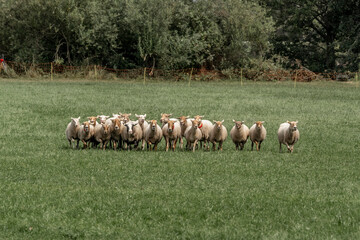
(144, 75)
(190, 76)
(51, 71)
(241, 76)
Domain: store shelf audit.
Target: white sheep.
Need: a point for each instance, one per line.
(93, 120)
(116, 127)
(86, 132)
(192, 135)
(171, 132)
(143, 124)
(239, 134)
(132, 134)
(288, 134)
(102, 134)
(125, 117)
(185, 122)
(153, 135)
(218, 134)
(165, 117)
(102, 118)
(72, 130)
(205, 127)
(257, 134)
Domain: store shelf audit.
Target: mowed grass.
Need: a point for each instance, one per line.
(49, 191)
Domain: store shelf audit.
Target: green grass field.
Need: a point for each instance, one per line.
(49, 191)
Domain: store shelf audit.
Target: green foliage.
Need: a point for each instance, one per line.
(49, 191)
(324, 35)
(127, 33)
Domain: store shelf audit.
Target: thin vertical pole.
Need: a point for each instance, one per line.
(95, 70)
(51, 71)
(190, 76)
(295, 79)
(241, 76)
(144, 75)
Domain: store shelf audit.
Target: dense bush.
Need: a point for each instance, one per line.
(125, 34)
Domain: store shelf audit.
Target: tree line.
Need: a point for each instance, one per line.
(175, 34)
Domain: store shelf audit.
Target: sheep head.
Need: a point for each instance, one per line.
(183, 119)
(171, 125)
(238, 124)
(218, 124)
(259, 124)
(86, 127)
(92, 120)
(195, 123)
(165, 117)
(153, 124)
(75, 121)
(293, 125)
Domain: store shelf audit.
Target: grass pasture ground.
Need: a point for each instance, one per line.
(49, 191)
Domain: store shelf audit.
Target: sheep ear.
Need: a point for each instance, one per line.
(113, 120)
(136, 115)
(262, 122)
(170, 115)
(287, 121)
(222, 121)
(145, 115)
(188, 116)
(234, 120)
(242, 122)
(214, 121)
(296, 121)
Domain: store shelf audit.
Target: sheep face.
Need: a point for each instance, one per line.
(165, 117)
(171, 125)
(183, 120)
(141, 118)
(86, 127)
(116, 123)
(76, 121)
(195, 123)
(293, 126)
(198, 117)
(153, 124)
(102, 118)
(259, 124)
(238, 124)
(92, 120)
(218, 125)
(106, 128)
(130, 127)
(125, 116)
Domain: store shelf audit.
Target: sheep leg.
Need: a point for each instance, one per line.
(260, 145)
(195, 144)
(252, 145)
(181, 141)
(174, 144)
(167, 143)
(84, 144)
(242, 144)
(280, 147)
(257, 145)
(237, 146)
(142, 144)
(104, 144)
(114, 145)
(155, 147)
(214, 145)
(220, 146)
(69, 142)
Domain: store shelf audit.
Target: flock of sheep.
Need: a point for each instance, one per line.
(122, 133)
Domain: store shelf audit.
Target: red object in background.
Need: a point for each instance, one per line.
(1, 60)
